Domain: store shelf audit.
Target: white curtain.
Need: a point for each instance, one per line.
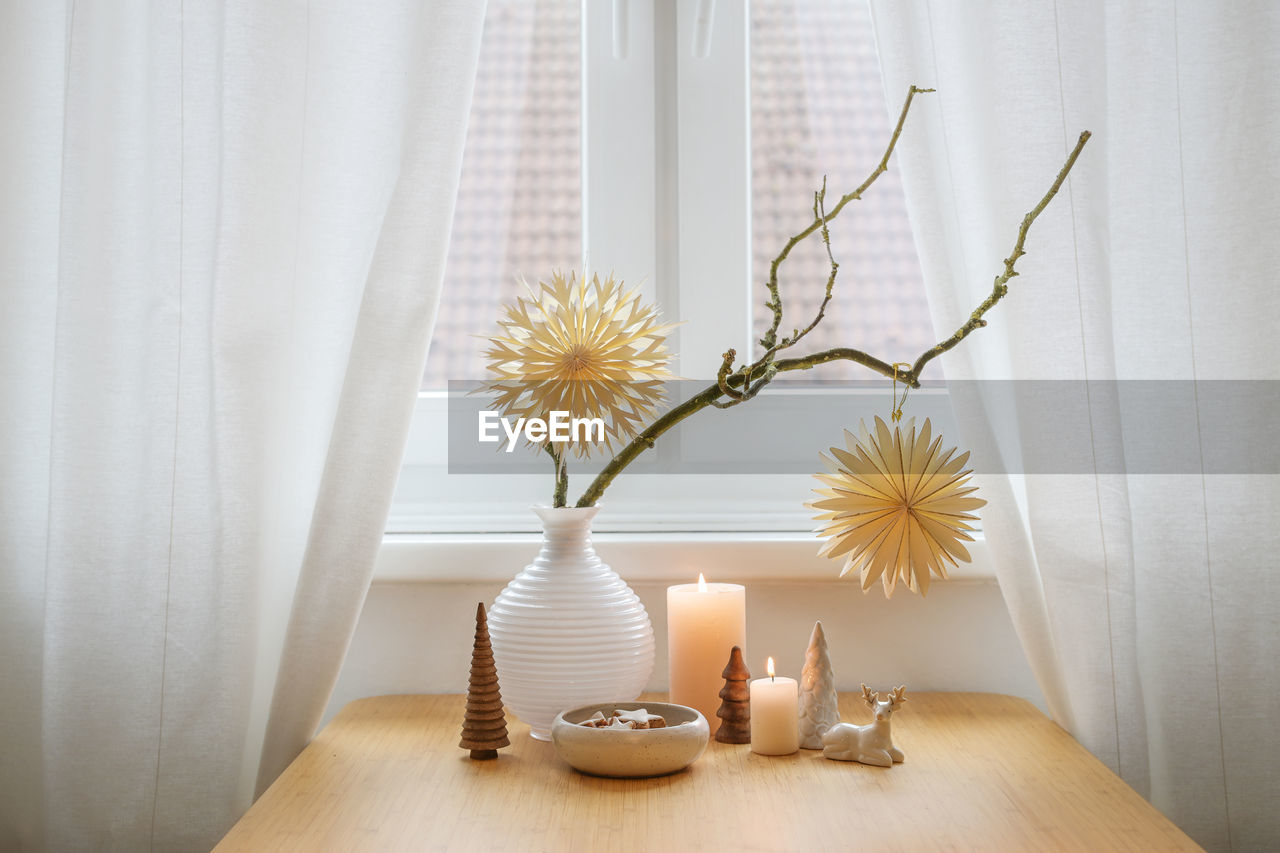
(1146, 602)
(222, 238)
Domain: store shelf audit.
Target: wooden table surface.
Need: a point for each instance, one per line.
(982, 772)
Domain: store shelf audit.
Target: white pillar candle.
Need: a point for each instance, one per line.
(704, 622)
(775, 715)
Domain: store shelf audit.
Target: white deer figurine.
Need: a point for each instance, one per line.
(869, 744)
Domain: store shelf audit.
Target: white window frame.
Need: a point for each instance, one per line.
(666, 202)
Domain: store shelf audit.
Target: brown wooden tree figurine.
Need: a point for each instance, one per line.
(484, 728)
(735, 710)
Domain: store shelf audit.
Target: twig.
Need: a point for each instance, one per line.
(827, 356)
(1001, 285)
(774, 303)
(561, 495)
(763, 369)
(722, 377)
(819, 211)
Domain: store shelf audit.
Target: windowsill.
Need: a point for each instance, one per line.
(637, 557)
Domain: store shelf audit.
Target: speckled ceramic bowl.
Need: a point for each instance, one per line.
(626, 753)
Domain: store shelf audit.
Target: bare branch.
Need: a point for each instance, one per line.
(819, 211)
(738, 386)
(561, 495)
(1001, 284)
(774, 303)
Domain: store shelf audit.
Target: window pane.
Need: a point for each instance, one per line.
(817, 107)
(519, 210)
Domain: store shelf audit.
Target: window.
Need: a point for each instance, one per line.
(677, 144)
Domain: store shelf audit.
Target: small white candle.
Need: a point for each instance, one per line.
(775, 715)
(704, 622)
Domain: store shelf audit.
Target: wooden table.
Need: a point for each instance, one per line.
(982, 772)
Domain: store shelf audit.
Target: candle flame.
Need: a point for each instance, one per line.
(769, 667)
(702, 583)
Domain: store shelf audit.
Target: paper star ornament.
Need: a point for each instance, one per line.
(895, 505)
(589, 348)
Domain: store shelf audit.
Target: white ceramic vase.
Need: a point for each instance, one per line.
(567, 631)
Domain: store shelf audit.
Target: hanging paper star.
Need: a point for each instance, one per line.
(896, 506)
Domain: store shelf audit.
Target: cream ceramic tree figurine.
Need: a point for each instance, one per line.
(869, 744)
(819, 706)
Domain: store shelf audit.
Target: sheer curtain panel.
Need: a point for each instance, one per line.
(222, 237)
(1146, 602)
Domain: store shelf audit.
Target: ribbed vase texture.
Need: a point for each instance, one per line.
(567, 631)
